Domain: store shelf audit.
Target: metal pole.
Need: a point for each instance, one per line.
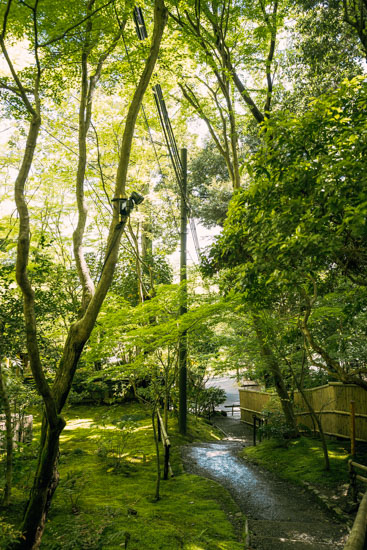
(182, 347)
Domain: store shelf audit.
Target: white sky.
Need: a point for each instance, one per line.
(205, 237)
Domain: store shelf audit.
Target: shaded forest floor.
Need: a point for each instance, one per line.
(105, 499)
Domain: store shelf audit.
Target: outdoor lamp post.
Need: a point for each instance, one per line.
(125, 205)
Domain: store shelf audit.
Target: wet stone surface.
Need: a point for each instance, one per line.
(280, 515)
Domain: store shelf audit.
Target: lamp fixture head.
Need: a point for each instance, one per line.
(125, 205)
(136, 197)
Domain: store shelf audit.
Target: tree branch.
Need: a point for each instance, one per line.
(269, 61)
(14, 90)
(62, 35)
(81, 330)
(5, 20)
(22, 90)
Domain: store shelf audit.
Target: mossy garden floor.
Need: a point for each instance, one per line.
(302, 460)
(105, 499)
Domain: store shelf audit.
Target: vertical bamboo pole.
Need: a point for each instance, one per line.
(182, 350)
(352, 429)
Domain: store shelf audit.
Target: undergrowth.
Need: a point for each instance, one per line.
(105, 499)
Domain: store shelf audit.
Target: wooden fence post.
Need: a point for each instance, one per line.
(352, 429)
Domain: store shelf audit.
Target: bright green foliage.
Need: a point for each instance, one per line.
(210, 189)
(306, 209)
(8, 533)
(133, 344)
(299, 230)
(322, 51)
(56, 297)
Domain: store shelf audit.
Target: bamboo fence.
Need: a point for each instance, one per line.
(331, 403)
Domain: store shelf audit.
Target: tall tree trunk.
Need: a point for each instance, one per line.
(45, 481)
(9, 441)
(44, 486)
(272, 363)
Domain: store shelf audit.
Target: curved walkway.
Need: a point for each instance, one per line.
(280, 515)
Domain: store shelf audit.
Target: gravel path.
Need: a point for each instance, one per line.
(280, 515)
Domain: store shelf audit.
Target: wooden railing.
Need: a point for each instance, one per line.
(356, 539)
(358, 533)
(233, 406)
(354, 477)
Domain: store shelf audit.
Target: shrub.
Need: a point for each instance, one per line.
(8, 533)
(205, 400)
(276, 427)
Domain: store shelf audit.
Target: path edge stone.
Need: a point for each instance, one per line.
(334, 509)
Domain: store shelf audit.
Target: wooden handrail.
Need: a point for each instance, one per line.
(166, 440)
(360, 466)
(353, 476)
(162, 434)
(327, 411)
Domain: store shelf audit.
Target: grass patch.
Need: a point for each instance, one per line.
(105, 496)
(302, 460)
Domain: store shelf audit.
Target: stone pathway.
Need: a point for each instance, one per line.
(280, 515)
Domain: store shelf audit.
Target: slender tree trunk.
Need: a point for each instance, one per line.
(318, 422)
(314, 417)
(157, 486)
(147, 252)
(272, 363)
(138, 258)
(9, 441)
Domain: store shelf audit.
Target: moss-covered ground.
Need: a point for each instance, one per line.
(105, 499)
(302, 460)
